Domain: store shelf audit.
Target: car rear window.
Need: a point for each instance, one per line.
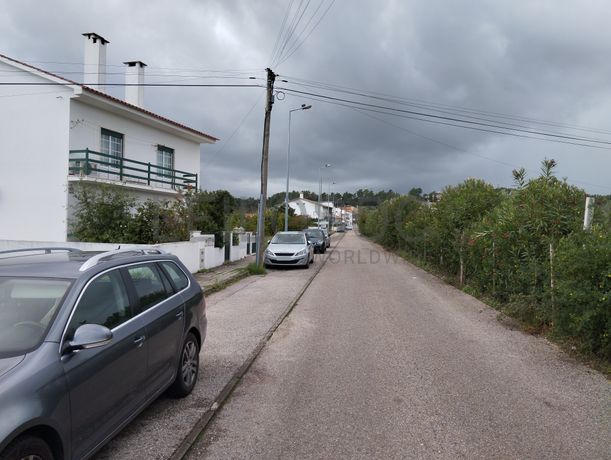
(177, 276)
(315, 234)
(148, 284)
(27, 306)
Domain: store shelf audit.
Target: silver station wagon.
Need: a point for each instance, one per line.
(89, 340)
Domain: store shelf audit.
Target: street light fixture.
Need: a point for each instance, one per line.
(324, 165)
(332, 214)
(288, 155)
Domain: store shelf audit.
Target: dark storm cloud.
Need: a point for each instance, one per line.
(546, 60)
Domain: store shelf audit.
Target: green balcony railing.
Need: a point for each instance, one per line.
(101, 165)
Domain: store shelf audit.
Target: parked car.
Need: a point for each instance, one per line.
(326, 233)
(317, 237)
(87, 341)
(327, 238)
(289, 248)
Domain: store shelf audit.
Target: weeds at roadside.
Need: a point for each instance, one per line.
(253, 269)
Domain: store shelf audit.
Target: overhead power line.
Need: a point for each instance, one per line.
(292, 35)
(178, 85)
(150, 67)
(298, 43)
(438, 107)
(245, 76)
(452, 121)
(280, 33)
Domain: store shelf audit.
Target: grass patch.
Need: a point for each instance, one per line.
(253, 269)
(216, 287)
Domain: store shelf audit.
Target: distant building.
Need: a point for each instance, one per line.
(304, 207)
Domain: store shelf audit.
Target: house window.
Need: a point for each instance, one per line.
(165, 159)
(112, 144)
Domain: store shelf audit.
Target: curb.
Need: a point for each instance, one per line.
(218, 286)
(199, 427)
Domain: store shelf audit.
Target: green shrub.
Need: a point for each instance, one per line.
(102, 214)
(583, 290)
(524, 248)
(159, 222)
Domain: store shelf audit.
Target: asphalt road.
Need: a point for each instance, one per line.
(238, 318)
(382, 360)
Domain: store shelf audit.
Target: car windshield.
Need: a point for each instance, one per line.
(315, 234)
(27, 305)
(288, 238)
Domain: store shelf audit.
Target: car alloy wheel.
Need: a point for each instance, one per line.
(189, 363)
(27, 447)
(188, 368)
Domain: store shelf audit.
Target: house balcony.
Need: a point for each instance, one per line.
(93, 166)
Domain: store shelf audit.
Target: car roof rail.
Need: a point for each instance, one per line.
(47, 250)
(108, 255)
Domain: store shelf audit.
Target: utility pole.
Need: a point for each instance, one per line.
(271, 77)
(589, 213)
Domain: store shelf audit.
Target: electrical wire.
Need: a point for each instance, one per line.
(226, 142)
(280, 33)
(294, 24)
(451, 121)
(175, 69)
(364, 112)
(178, 85)
(431, 106)
(298, 44)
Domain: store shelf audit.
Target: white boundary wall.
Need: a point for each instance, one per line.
(197, 254)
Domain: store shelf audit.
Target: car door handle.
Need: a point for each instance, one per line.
(138, 341)
(180, 314)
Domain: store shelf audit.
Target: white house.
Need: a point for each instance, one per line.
(56, 133)
(304, 207)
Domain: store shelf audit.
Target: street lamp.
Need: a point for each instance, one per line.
(288, 155)
(325, 165)
(332, 214)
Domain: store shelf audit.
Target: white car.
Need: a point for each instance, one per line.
(289, 248)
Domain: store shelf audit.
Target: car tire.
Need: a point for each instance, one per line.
(27, 447)
(188, 368)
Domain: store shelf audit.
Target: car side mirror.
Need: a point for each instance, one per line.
(269, 241)
(90, 336)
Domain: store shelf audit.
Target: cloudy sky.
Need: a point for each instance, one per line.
(535, 66)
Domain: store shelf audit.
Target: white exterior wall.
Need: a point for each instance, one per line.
(34, 131)
(304, 208)
(197, 254)
(238, 251)
(140, 141)
(308, 208)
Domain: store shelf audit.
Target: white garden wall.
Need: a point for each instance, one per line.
(197, 254)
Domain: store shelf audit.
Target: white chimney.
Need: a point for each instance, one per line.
(95, 61)
(134, 79)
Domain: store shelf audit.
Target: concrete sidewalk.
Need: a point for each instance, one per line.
(217, 278)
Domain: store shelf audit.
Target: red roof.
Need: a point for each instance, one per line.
(114, 99)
